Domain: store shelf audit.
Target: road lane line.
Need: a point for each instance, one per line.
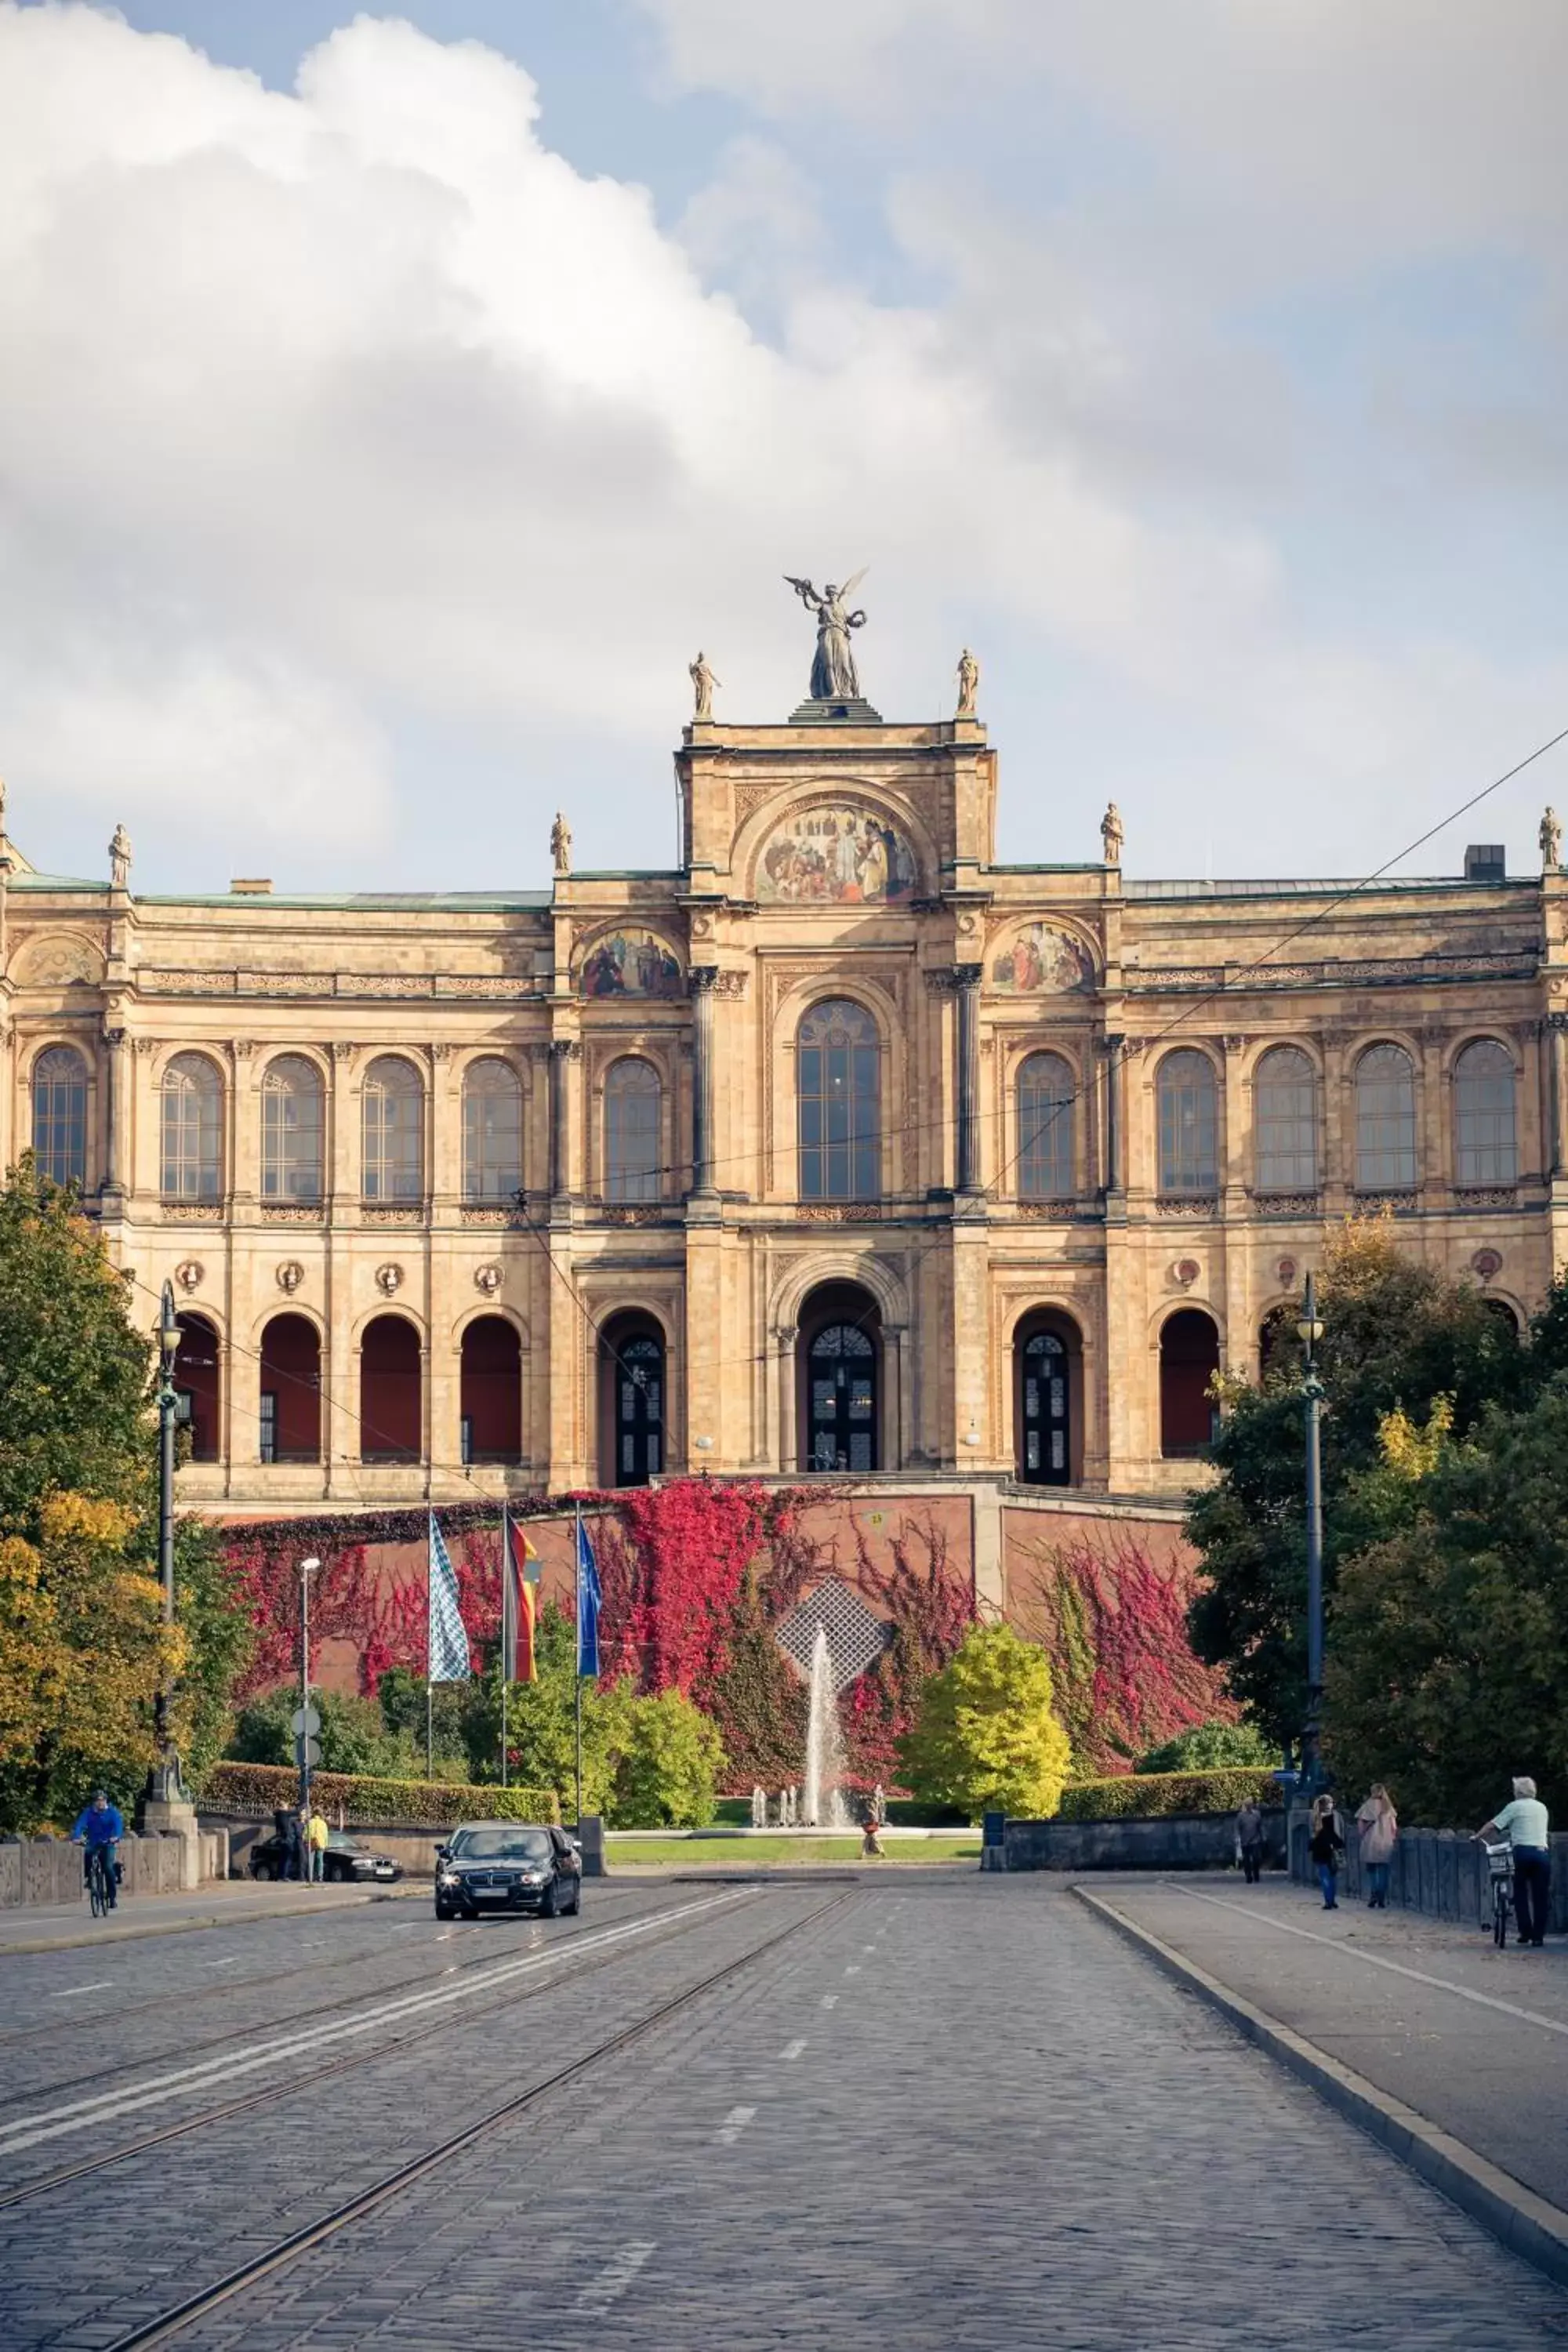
(853, 1969)
(80, 2115)
(830, 2001)
(733, 2125)
(229, 1963)
(617, 2276)
(1375, 1960)
(68, 1993)
(792, 2050)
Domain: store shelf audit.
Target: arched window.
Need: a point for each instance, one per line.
(290, 1390)
(197, 1376)
(633, 1383)
(390, 1392)
(1188, 1161)
(1046, 1094)
(1485, 1149)
(492, 1131)
(1189, 1359)
(193, 1129)
(394, 1131)
(1285, 1122)
(632, 1099)
(490, 1391)
(841, 1376)
(1045, 1362)
(838, 1092)
(1386, 1120)
(59, 1116)
(291, 1099)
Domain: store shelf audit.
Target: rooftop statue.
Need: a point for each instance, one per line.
(1551, 842)
(833, 675)
(968, 683)
(702, 685)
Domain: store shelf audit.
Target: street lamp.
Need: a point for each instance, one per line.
(1309, 1330)
(163, 1785)
(307, 1570)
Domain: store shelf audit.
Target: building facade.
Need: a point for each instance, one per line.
(842, 1148)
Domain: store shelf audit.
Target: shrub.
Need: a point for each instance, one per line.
(354, 1737)
(260, 1789)
(1210, 1747)
(1146, 1796)
(666, 1777)
(986, 1735)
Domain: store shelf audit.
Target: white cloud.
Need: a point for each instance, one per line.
(330, 416)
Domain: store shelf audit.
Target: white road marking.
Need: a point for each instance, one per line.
(616, 2276)
(68, 1992)
(853, 1969)
(81, 2115)
(1375, 1960)
(231, 1962)
(733, 2125)
(792, 2050)
(830, 2001)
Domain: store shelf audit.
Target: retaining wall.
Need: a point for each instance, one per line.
(1173, 1841)
(1440, 1872)
(49, 1870)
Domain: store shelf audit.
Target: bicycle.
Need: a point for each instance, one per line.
(102, 1891)
(1500, 1864)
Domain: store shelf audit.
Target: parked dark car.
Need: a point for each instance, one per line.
(345, 1862)
(507, 1866)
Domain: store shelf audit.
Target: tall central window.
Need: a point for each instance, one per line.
(1386, 1120)
(838, 1091)
(1045, 1128)
(192, 1138)
(1188, 1147)
(492, 1131)
(631, 1130)
(291, 1130)
(60, 1115)
(394, 1131)
(1285, 1122)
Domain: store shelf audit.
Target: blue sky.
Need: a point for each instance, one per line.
(380, 437)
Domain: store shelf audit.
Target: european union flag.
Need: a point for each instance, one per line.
(448, 1636)
(589, 1597)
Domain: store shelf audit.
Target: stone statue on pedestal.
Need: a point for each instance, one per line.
(1551, 842)
(702, 685)
(968, 683)
(119, 859)
(560, 843)
(1111, 835)
(833, 673)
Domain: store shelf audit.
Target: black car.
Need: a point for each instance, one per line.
(507, 1866)
(345, 1861)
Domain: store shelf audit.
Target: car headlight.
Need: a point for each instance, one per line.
(446, 1878)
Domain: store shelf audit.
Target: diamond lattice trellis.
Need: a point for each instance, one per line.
(855, 1637)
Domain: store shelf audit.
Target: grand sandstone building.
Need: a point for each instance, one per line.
(841, 1147)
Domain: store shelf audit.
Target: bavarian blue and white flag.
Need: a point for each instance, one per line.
(588, 1599)
(448, 1639)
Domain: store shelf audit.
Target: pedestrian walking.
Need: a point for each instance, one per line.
(316, 1844)
(1527, 1826)
(294, 1830)
(1326, 1847)
(1377, 1824)
(1250, 1840)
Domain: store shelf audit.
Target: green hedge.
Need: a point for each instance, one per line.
(1144, 1796)
(262, 1788)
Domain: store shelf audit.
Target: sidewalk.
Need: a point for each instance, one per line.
(57, 1927)
(1427, 2015)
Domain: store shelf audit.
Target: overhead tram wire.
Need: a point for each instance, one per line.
(1077, 1094)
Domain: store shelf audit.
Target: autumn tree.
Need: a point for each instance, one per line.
(985, 1738)
(83, 1648)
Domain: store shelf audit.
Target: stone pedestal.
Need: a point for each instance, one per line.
(173, 1817)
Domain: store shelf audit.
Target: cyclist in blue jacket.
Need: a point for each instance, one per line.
(99, 1825)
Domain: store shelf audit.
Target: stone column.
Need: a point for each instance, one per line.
(564, 1052)
(785, 1335)
(113, 1115)
(702, 983)
(1115, 1176)
(1557, 1028)
(968, 978)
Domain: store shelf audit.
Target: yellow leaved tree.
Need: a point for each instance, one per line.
(985, 1738)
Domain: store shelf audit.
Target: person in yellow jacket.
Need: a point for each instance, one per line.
(316, 1843)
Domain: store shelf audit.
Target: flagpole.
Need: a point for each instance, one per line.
(429, 1659)
(506, 1608)
(577, 1562)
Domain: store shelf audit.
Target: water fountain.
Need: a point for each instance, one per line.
(824, 1806)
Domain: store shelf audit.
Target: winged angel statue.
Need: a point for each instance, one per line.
(833, 676)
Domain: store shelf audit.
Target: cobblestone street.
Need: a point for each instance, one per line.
(942, 2112)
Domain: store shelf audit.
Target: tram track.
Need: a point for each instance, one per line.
(368, 2200)
(646, 1932)
(186, 1997)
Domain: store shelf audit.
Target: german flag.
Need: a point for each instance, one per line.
(519, 1603)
